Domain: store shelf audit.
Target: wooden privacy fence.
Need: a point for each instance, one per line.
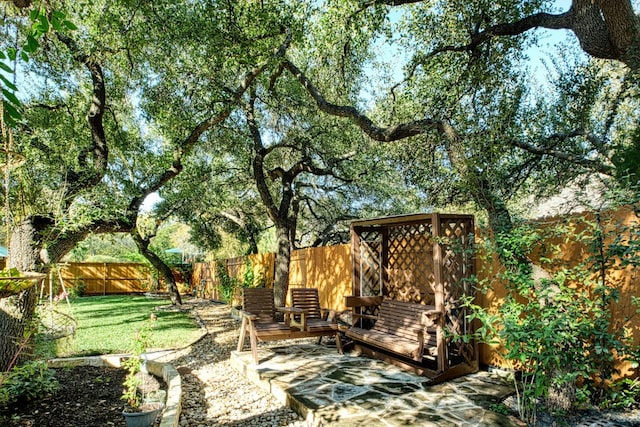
(205, 280)
(102, 278)
(326, 268)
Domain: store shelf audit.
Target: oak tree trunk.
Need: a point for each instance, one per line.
(17, 312)
(282, 262)
(163, 269)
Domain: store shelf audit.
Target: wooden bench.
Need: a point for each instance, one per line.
(260, 325)
(402, 328)
(259, 320)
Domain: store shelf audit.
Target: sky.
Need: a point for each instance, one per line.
(547, 39)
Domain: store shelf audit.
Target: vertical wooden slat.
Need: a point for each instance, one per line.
(443, 363)
(355, 261)
(384, 262)
(470, 264)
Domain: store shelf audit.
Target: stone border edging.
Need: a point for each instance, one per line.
(173, 405)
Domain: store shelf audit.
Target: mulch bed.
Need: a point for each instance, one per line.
(87, 396)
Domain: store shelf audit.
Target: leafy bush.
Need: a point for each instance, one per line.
(499, 408)
(249, 276)
(227, 285)
(77, 289)
(29, 381)
(555, 323)
(133, 382)
(623, 394)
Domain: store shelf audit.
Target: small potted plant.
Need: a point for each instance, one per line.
(138, 412)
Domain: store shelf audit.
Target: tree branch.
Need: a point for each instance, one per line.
(86, 177)
(606, 29)
(388, 134)
(577, 159)
(143, 242)
(445, 130)
(186, 145)
(258, 163)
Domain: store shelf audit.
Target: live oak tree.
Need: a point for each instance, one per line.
(312, 173)
(293, 158)
(281, 170)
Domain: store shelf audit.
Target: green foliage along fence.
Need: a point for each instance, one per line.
(216, 280)
(565, 247)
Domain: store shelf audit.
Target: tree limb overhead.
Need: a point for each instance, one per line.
(606, 29)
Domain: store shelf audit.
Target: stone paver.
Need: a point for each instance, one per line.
(326, 388)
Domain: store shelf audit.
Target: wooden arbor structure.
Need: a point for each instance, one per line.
(425, 259)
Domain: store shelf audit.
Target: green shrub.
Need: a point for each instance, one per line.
(227, 285)
(249, 276)
(78, 289)
(561, 336)
(5, 397)
(29, 381)
(623, 394)
(499, 408)
(132, 393)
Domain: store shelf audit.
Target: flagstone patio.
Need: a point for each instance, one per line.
(326, 388)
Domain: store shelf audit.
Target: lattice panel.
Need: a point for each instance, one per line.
(370, 262)
(409, 272)
(457, 268)
(370, 253)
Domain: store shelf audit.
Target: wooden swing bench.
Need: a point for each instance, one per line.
(426, 259)
(259, 321)
(406, 334)
(403, 333)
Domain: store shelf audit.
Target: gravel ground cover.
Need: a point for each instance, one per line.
(215, 394)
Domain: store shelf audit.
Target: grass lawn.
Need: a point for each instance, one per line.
(108, 324)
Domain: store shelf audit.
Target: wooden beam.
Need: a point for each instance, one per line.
(443, 362)
(362, 301)
(355, 260)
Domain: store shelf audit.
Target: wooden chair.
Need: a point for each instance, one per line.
(308, 316)
(259, 320)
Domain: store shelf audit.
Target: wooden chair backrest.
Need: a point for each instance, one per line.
(308, 300)
(399, 318)
(259, 301)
